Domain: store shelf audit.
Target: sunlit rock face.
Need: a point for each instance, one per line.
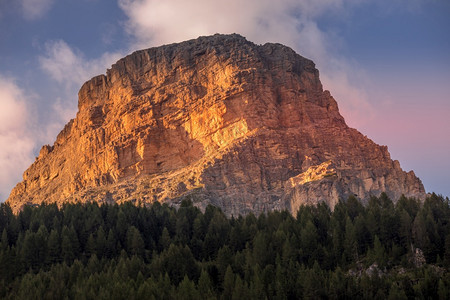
(245, 127)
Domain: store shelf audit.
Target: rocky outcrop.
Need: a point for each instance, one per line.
(242, 126)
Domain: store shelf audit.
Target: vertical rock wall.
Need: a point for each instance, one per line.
(242, 126)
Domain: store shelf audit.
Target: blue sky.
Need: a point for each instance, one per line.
(387, 63)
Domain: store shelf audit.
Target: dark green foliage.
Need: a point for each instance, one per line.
(159, 252)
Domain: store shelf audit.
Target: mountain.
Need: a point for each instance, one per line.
(218, 119)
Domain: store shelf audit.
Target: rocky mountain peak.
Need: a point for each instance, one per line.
(218, 119)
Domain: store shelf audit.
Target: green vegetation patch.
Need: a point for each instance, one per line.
(382, 250)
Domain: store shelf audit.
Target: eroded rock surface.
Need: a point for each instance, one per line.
(245, 127)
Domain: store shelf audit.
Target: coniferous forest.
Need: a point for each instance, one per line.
(89, 251)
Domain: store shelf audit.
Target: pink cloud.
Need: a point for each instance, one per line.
(16, 139)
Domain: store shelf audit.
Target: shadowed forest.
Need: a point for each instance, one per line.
(91, 251)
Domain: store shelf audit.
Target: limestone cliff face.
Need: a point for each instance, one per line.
(241, 126)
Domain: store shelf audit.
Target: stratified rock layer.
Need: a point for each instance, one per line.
(245, 127)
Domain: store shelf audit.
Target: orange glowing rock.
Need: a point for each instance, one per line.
(228, 122)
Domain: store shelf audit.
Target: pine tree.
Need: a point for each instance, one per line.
(240, 290)
(186, 290)
(228, 284)
(350, 246)
(165, 240)
(224, 259)
(405, 229)
(419, 232)
(90, 247)
(379, 253)
(204, 286)
(54, 247)
(4, 243)
(443, 291)
(111, 242)
(164, 288)
(256, 285)
(337, 284)
(145, 291)
(29, 249)
(100, 242)
(395, 293)
(41, 244)
(135, 242)
(309, 239)
(69, 244)
(313, 283)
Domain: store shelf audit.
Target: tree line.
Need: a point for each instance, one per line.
(86, 251)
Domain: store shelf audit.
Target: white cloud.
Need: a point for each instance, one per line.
(69, 68)
(155, 22)
(35, 9)
(16, 139)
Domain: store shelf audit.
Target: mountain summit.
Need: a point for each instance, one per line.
(218, 119)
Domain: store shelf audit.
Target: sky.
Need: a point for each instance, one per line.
(386, 62)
